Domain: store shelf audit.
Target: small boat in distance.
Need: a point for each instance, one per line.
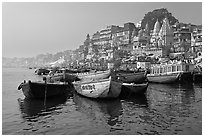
(40, 89)
(103, 88)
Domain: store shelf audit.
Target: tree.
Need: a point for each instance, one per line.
(151, 17)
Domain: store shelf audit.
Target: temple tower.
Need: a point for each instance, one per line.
(155, 34)
(166, 33)
(165, 37)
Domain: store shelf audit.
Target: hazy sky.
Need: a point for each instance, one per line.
(33, 28)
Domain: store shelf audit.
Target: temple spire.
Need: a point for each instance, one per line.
(156, 27)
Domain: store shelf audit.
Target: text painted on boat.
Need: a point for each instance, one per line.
(88, 87)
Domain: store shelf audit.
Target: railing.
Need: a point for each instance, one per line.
(172, 68)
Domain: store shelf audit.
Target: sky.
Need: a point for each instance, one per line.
(33, 28)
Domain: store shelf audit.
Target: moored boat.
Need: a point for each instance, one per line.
(40, 89)
(170, 73)
(165, 78)
(94, 75)
(130, 77)
(62, 77)
(103, 88)
(134, 88)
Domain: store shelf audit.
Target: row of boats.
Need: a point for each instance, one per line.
(107, 84)
(99, 84)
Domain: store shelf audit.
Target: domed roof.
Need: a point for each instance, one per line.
(156, 27)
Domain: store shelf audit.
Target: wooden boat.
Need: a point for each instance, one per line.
(94, 75)
(62, 77)
(165, 78)
(41, 89)
(103, 88)
(170, 73)
(130, 77)
(134, 88)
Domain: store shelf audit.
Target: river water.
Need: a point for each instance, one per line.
(164, 110)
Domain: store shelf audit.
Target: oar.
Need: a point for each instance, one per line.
(44, 78)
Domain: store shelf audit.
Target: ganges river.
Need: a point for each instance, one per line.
(174, 109)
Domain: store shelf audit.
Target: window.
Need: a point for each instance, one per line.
(158, 70)
(161, 70)
(173, 68)
(164, 69)
(183, 67)
(187, 67)
(169, 69)
(178, 68)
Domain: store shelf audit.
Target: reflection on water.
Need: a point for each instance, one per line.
(170, 95)
(34, 108)
(99, 109)
(170, 108)
(137, 100)
(164, 109)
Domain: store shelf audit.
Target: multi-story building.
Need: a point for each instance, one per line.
(123, 35)
(196, 41)
(182, 40)
(141, 41)
(96, 38)
(81, 52)
(104, 37)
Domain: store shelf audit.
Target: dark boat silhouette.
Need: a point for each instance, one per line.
(130, 77)
(40, 89)
(129, 89)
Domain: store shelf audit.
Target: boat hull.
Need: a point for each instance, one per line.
(138, 77)
(105, 88)
(186, 77)
(37, 89)
(94, 75)
(197, 77)
(168, 78)
(60, 77)
(134, 88)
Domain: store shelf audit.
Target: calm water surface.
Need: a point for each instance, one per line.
(164, 109)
